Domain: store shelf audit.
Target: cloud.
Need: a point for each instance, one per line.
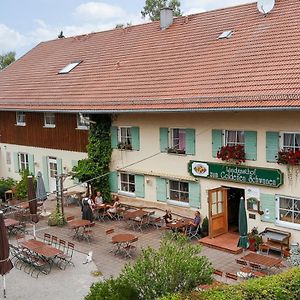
(10, 40)
(99, 11)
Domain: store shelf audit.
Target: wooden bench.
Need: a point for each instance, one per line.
(277, 240)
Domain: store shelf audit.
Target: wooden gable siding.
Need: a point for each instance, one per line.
(64, 136)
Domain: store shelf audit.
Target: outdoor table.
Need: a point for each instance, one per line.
(179, 224)
(77, 224)
(11, 222)
(262, 260)
(101, 207)
(136, 214)
(122, 239)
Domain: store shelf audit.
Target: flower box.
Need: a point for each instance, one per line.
(289, 157)
(176, 151)
(123, 146)
(233, 153)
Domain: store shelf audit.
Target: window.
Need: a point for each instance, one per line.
(234, 137)
(225, 34)
(67, 69)
(49, 120)
(291, 141)
(20, 118)
(289, 211)
(127, 182)
(179, 191)
(23, 161)
(177, 140)
(83, 121)
(125, 138)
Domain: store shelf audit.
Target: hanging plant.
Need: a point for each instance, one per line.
(290, 158)
(234, 154)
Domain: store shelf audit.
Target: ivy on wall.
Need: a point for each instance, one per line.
(99, 156)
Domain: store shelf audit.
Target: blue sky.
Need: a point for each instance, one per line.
(25, 23)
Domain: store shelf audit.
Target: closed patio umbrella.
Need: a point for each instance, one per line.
(32, 203)
(5, 263)
(41, 193)
(243, 226)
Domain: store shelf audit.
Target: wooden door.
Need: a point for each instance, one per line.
(217, 209)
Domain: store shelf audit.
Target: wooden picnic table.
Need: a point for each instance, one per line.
(179, 224)
(139, 213)
(262, 260)
(41, 248)
(11, 222)
(122, 238)
(77, 223)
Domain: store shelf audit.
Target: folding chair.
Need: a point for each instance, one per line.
(67, 256)
(245, 268)
(129, 248)
(231, 276)
(54, 240)
(47, 238)
(196, 233)
(87, 232)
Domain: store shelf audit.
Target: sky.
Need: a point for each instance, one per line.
(25, 23)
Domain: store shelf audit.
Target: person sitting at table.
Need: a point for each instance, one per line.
(113, 209)
(98, 199)
(168, 217)
(87, 210)
(195, 222)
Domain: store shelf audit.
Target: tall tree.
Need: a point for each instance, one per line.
(7, 59)
(152, 8)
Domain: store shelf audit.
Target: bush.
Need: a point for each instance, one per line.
(5, 185)
(174, 267)
(22, 185)
(284, 286)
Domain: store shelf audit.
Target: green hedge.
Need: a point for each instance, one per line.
(284, 286)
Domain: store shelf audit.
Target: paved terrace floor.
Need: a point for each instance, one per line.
(110, 264)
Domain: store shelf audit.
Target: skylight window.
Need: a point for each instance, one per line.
(67, 69)
(225, 34)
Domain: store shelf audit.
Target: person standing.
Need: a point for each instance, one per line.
(87, 210)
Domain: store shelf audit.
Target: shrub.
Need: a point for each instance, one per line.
(284, 286)
(174, 267)
(22, 185)
(6, 184)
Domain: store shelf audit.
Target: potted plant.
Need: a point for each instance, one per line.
(232, 153)
(204, 230)
(254, 239)
(124, 146)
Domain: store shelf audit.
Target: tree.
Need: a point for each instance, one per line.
(7, 59)
(152, 8)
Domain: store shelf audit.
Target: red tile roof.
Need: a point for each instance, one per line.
(182, 68)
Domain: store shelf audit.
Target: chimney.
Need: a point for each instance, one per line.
(166, 18)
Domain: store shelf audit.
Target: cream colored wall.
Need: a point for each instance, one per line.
(66, 156)
(176, 165)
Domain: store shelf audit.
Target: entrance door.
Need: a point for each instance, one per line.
(217, 205)
(52, 167)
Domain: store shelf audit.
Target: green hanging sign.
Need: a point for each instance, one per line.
(236, 173)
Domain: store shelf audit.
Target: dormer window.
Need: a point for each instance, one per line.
(67, 69)
(225, 34)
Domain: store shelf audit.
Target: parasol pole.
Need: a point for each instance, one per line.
(4, 286)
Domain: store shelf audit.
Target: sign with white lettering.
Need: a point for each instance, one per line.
(241, 174)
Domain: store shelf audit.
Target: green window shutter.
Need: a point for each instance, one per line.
(251, 145)
(267, 204)
(135, 132)
(113, 181)
(139, 186)
(164, 139)
(114, 137)
(59, 166)
(16, 162)
(216, 141)
(31, 164)
(190, 141)
(74, 164)
(194, 194)
(161, 189)
(45, 173)
(272, 146)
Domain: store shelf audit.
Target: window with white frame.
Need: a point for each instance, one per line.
(49, 120)
(21, 118)
(290, 141)
(289, 211)
(179, 191)
(177, 139)
(23, 161)
(125, 138)
(83, 121)
(127, 182)
(234, 137)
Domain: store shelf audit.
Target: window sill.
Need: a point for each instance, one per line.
(49, 126)
(178, 203)
(20, 124)
(128, 194)
(287, 225)
(82, 128)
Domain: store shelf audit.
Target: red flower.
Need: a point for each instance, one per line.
(289, 157)
(234, 153)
